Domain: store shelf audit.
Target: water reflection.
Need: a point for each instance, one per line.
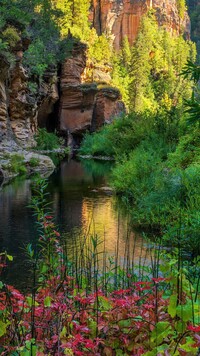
(77, 203)
(17, 228)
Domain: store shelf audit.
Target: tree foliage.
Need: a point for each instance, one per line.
(157, 59)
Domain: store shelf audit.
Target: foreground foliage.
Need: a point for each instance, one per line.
(61, 320)
(74, 310)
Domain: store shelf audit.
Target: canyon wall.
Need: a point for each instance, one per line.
(84, 106)
(120, 18)
(20, 108)
(5, 130)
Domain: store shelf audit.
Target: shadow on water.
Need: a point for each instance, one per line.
(81, 204)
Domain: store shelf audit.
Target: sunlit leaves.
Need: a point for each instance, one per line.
(3, 327)
(172, 305)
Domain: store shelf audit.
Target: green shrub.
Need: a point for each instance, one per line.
(11, 36)
(181, 5)
(34, 162)
(120, 137)
(187, 151)
(33, 87)
(3, 45)
(97, 144)
(17, 164)
(47, 140)
(159, 196)
(135, 174)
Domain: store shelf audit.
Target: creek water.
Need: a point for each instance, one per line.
(80, 200)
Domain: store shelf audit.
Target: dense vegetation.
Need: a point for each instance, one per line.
(76, 306)
(148, 73)
(47, 30)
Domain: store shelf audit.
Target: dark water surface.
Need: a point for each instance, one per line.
(79, 199)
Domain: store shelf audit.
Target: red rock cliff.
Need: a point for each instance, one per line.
(121, 18)
(20, 109)
(83, 106)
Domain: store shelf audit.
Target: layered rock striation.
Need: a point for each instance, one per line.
(77, 99)
(5, 129)
(120, 18)
(84, 106)
(20, 108)
(19, 114)
(108, 105)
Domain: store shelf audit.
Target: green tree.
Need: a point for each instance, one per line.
(146, 47)
(74, 17)
(157, 60)
(181, 5)
(192, 72)
(121, 63)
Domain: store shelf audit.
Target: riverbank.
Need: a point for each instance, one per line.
(18, 161)
(23, 162)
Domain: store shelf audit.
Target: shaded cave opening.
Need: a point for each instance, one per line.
(48, 117)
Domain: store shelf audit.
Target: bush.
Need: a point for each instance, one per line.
(34, 162)
(187, 151)
(37, 58)
(135, 174)
(17, 164)
(11, 35)
(120, 137)
(47, 140)
(97, 144)
(161, 197)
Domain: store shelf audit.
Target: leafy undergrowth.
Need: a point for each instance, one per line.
(47, 140)
(60, 320)
(64, 316)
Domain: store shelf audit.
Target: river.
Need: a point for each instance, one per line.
(80, 201)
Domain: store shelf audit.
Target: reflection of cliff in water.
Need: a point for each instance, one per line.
(78, 203)
(69, 187)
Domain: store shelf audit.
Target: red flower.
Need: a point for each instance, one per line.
(56, 233)
(48, 217)
(194, 328)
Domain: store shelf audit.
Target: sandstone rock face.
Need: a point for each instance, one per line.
(77, 99)
(77, 108)
(108, 105)
(22, 108)
(82, 105)
(48, 97)
(73, 67)
(121, 18)
(4, 122)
